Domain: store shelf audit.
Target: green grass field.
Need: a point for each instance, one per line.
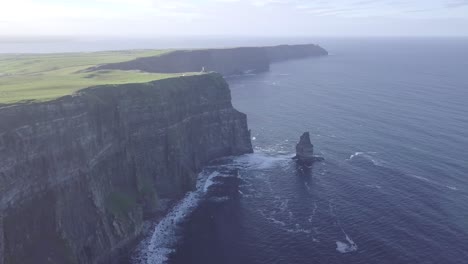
(42, 77)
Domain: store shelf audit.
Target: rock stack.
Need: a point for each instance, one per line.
(305, 150)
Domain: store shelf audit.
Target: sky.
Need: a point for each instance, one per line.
(150, 18)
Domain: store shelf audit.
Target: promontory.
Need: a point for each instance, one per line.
(94, 144)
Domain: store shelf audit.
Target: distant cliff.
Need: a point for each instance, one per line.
(290, 52)
(78, 175)
(225, 61)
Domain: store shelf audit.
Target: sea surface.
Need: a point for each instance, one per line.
(390, 117)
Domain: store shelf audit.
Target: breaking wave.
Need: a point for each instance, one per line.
(370, 156)
(346, 247)
(157, 248)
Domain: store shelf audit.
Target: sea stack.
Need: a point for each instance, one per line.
(305, 150)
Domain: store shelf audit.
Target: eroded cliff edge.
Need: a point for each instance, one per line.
(230, 61)
(79, 174)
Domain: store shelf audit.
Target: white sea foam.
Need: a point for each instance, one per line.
(275, 221)
(156, 249)
(374, 186)
(260, 161)
(311, 218)
(284, 205)
(299, 230)
(219, 199)
(367, 155)
(453, 188)
(342, 247)
(210, 181)
(355, 154)
(346, 247)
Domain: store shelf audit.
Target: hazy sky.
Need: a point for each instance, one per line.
(149, 18)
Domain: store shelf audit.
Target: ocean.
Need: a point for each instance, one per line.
(390, 117)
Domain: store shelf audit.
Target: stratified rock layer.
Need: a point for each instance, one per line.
(79, 174)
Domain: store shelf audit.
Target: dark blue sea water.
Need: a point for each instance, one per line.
(390, 116)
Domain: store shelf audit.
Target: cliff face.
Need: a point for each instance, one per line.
(290, 52)
(225, 61)
(79, 174)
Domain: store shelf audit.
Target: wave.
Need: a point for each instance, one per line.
(210, 181)
(275, 221)
(346, 247)
(259, 161)
(219, 199)
(453, 188)
(157, 248)
(298, 230)
(368, 156)
(311, 218)
(342, 247)
(284, 205)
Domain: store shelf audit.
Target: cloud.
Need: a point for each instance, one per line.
(456, 3)
(27, 10)
(214, 16)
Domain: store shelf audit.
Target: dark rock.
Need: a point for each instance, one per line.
(79, 174)
(291, 52)
(305, 150)
(233, 61)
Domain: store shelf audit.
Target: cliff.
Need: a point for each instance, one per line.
(290, 52)
(225, 61)
(79, 175)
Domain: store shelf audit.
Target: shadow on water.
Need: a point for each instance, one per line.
(304, 171)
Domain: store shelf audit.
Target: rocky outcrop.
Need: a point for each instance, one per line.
(305, 150)
(290, 52)
(79, 175)
(225, 61)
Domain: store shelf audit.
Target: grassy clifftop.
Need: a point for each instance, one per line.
(42, 77)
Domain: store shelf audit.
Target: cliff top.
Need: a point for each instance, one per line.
(43, 77)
